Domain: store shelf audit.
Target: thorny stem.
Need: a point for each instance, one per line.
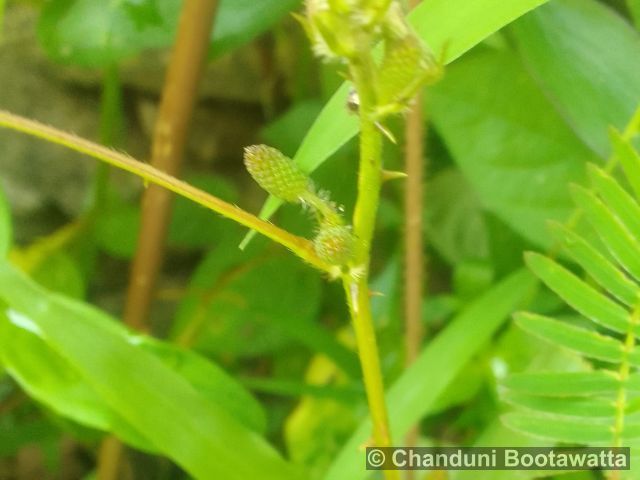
(302, 247)
(356, 286)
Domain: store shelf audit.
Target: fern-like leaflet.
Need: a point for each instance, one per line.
(599, 407)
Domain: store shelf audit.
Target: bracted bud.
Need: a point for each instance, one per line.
(329, 29)
(334, 244)
(276, 173)
(407, 66)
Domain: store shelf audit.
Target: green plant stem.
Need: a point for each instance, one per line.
(110, 128)
(298, 245)
(356, 285)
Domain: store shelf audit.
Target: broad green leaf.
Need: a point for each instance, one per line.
(560, 430)
(563, 384)
(209, 380)
(59, 272)
(634, 8)
(197, 434)
(443, 32)
(517, 153)
(572, 407)
(628, 158)
(619, 241)
(51, 380)
(596, 265)
(455, 223)
(580, 296)
(231, 310)
(586, 342)
(239, 21)
(93, 33)
(621, 204)
(579, 51)
(413, 395)
(5, 226)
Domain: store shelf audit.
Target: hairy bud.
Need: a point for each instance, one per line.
(407, 66)
(276, 173)
(334, 244)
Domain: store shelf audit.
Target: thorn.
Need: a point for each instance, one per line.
(386, 132)
(373, 293)
(392, 175)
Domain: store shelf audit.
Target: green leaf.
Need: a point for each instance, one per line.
(634, 8)
(517, 153)
(619, 241)
(239, 21)
(562, 384)
(572, 407)
(230, 310)
(455, 223)
(597, 265)
(579, 51)
(586, 342)
(621, 204)
(442, 31)
(5, 226)
(51, 380)
(209, 380)
(197, 434)
(412, 396)
(580, 296)
(93, 33)
(629, 159)
(560, 430)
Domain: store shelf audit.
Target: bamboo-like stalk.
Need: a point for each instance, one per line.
(170, 135)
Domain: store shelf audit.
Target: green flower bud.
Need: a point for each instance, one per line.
(334, 244)
(407, 66)
(276, 173)
(329, 28)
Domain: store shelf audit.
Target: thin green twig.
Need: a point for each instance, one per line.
(298, 245)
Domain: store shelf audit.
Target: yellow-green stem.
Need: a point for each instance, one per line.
(356, 286)
(298, 245)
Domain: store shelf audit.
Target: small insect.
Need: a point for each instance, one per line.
(353, 101)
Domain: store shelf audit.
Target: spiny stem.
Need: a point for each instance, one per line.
(298, 245)
(356, 287)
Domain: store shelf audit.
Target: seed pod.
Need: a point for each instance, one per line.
(334, 244)
(406, 67)
(276, 173)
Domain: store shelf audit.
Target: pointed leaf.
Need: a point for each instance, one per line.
(563, 384)
(586, 432)
(611, 278)
(588, 343)
(573, 407)
(616, 199)
(199, 435)
(580, 296)
(620, 242)
(629, 158)
(50, 379)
